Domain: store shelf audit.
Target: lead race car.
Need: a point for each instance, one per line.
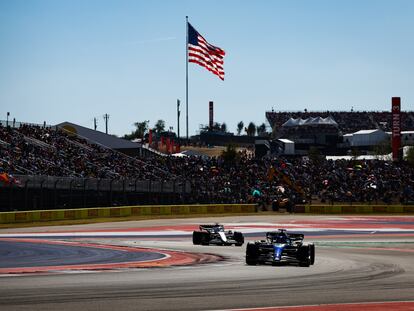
(281, 247)
(215, 234)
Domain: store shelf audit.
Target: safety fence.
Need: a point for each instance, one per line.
(46, 192)
(125, 211)
(354, 209)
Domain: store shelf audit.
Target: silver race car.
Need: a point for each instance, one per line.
(215, 234)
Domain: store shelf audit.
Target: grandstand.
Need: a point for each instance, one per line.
(44, 167)
(310, 131)
(348, 121)
(58, 169)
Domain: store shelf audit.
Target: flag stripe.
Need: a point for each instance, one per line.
(202, 53)
(205, 54)
(197, 55)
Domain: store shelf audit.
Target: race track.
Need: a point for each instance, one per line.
(359, 260)
(29, 253)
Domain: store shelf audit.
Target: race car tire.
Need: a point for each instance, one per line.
(251, 254)
(304, 256)
(204, 238)
(312, 253)
(239, 238)
(197, 237)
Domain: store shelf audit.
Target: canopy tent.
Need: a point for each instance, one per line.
(310, 121)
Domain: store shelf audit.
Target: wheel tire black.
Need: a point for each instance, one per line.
(239, 238)
(251, 254)
(312, 253)
(304, 256)
(204, 238)
(196, 237)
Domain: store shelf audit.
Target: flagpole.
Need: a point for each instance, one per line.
(186, 76)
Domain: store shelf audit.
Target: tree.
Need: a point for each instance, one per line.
(261, 130)
(240, 126)
(410, 156)
(223, 127)
(139, 132)
(159, 126)
(251, 129)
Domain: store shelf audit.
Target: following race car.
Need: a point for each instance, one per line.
(281, 247)
(215, 234)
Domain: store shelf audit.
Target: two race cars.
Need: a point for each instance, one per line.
(281, 247)
(215, 234)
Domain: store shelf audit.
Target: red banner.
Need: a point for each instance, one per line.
(168, 144)
(396, 127)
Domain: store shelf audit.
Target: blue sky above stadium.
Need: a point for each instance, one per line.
(73, 60)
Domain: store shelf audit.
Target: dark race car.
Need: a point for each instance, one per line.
(215, 234)
(281, 247)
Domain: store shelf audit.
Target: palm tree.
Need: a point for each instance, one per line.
(159, 126)
(140, 129)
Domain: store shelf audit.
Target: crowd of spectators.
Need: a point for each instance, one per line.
(348, 121)
(36, 150)
(33, 150)
(298, 179)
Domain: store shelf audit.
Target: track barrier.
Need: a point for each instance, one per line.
(124, 211)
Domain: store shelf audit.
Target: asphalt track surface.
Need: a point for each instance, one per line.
(24, 254)
(358, 260)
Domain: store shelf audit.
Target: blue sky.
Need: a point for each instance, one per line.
(73, 60)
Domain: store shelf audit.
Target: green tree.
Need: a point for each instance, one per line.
(159, 126)
(240, 126)
(216, 127)
(223, 127)
(261, 130)
(140, 129)
(251, 129)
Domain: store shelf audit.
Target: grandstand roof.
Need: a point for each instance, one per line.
(310, 121)
(98, 137)
(367, 131)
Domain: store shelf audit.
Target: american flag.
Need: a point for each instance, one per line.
(203, 53)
